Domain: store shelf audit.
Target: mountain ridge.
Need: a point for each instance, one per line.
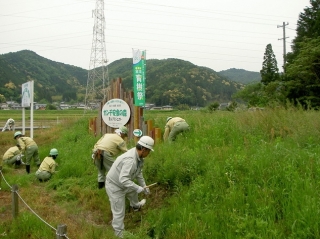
(169, 81)
(241, 75)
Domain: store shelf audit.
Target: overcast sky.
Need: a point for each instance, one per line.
(219, 34)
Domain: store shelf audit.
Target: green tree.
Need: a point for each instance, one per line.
(308, 26)
(303, 74)
(257, 94)
(69, 95)
(232, 107)
(10, 85)
(43, 101)
(269, 71)
(51, 107)
(2, 99)
(252, 94)
(275, 93)
(303, 65)
(183, 107)
(213, 106)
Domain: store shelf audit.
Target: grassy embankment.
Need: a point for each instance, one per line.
(234, 175)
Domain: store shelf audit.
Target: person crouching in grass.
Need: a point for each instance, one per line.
(48, 166)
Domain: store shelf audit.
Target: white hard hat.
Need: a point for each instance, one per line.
(147, 142)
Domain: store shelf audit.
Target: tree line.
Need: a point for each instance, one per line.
(300, 81)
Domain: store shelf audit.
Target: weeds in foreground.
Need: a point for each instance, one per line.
(234, 175)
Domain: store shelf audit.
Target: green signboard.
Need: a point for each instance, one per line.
(139, 77)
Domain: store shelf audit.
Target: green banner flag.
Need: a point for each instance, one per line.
(139, 77)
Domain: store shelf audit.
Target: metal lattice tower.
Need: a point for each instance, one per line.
(98, 69)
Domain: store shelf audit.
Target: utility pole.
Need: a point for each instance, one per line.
(98, 70)
(284, 43)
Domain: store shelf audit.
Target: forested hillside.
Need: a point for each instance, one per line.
(177, 82)
(169, 82)
(50, 78)
(241, 76)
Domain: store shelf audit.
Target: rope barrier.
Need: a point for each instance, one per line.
(64, 235)
(34, 212)
(5, 180)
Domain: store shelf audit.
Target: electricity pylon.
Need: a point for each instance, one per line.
(98, 69)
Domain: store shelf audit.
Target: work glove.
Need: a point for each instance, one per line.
(140, 189)
(92, 156)
(146, 191)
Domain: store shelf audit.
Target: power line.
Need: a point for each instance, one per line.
(199, 32)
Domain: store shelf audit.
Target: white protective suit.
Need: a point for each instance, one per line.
(9, 125)
(119, 185)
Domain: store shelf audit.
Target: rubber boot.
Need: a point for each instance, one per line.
(17, 164)
(28, 168)
(100, 185)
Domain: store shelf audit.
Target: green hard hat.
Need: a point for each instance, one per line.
(169, 118)
(124, 129)
(17, 134)
(53, 152)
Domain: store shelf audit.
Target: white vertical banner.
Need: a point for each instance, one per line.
(27, 101)
(26, 94)
(31, 110)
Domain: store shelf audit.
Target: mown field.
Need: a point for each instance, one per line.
(234, 175)
(43, 118)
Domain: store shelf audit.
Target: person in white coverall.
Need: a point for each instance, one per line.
(105, 150)
(120, 184)
(9, 125)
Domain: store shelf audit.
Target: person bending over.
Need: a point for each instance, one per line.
(48, 166)
(120, 182)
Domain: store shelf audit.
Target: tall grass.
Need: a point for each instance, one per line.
(234, 175)
(240, 175)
